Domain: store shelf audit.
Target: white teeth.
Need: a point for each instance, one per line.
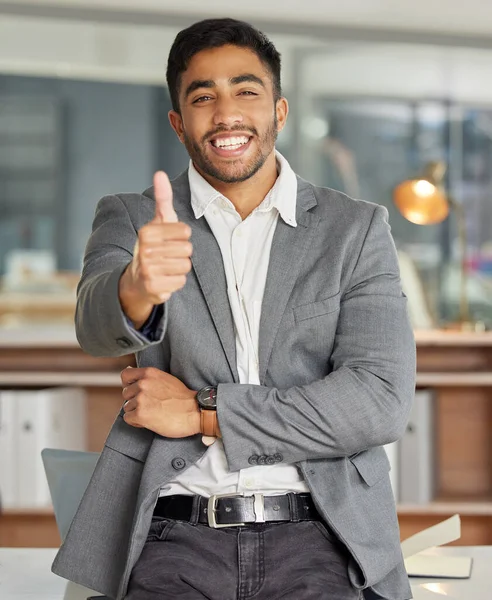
(231, 142)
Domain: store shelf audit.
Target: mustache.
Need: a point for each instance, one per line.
(242, 129)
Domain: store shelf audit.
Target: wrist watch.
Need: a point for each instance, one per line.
(207, 403)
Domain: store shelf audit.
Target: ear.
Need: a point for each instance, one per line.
(177, 124)
(282, 110)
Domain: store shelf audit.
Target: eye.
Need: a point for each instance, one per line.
(201, 99)
(248, 93)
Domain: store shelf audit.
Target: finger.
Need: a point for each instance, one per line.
(129, 376)
(130, 419)
(129, 405)
(162, 232)
(132, 375)
(130, 391)
(164, 266)
(168, 248)
(163, 192)
(165, 284)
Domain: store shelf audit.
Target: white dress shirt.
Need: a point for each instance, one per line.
(245, 247)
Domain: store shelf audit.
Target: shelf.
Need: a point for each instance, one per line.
(440, 337)
(22, 378)
(434, 508)
(39, 336)
(465, 508)
(57, 300)
(113, 379)
(454, 379)
(27, 512)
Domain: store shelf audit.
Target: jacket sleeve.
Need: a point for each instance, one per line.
(363, 402)
(102, 327)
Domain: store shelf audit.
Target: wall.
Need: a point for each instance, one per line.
(133, 53)
(402, 71)
(99, 51)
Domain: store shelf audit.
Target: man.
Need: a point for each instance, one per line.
(275, 358)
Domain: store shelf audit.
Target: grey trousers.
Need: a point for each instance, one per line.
(269, 561)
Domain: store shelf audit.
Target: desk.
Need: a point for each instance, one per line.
(25, 575)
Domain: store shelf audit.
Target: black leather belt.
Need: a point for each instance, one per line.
(225, 510)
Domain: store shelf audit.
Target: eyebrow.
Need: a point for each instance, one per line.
(247, 77)
(209, 83)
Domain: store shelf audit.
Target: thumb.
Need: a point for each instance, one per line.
(163, 193)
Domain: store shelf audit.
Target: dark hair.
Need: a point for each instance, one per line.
(213, 33)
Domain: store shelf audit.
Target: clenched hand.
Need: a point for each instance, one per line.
(161, 258)
(160, 402)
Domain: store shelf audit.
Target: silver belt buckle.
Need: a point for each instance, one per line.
(259, 508)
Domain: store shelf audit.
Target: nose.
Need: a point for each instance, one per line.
(227, 112)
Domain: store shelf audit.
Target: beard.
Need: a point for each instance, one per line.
(232, 171)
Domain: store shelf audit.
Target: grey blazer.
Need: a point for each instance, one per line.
(337, 373)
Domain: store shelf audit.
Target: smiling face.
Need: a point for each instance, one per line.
(229, 120)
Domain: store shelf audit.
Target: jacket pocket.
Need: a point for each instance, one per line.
(130, 441)
(371, 464)
(317, 309)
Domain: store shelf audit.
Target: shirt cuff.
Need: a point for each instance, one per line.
(152, 327)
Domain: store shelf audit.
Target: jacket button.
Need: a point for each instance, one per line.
(262, 459)
(253, 460)
(270, 460)
(278, 457)
(123, 342)
(178, 463)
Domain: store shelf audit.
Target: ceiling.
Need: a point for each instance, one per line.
(470, 19)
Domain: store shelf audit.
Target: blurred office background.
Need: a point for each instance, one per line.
(83, 113)
(377, 90)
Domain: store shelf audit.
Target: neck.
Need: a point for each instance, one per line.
(249, 194)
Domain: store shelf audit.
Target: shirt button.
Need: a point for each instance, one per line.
(249, 482)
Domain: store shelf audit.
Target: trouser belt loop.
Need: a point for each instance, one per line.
(294, 509)
(195, 510)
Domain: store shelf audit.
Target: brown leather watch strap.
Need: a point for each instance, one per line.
(208, 422)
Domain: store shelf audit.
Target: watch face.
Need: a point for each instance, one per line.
(207, 398)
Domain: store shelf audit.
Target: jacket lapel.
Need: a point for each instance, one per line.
(209, 269)
(289, 247)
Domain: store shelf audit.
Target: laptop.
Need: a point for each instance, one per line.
(68, 473)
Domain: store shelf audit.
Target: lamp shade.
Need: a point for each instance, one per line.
(421, 202)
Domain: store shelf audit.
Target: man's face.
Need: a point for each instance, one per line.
(229, 120)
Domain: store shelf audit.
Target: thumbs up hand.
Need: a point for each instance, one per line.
(161, 258)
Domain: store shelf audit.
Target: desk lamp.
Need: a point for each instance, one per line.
(423, 201)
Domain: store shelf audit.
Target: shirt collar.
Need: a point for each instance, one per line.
(282, 196)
